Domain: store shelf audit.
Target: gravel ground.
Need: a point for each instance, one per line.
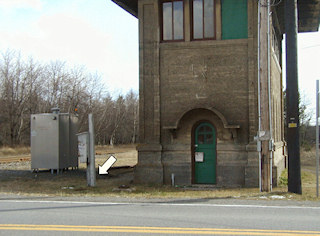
(21, 165)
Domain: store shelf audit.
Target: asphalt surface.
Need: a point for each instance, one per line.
(23, 215)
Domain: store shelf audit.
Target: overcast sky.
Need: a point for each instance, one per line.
(309, 66)
(104, 38)
(97, 34)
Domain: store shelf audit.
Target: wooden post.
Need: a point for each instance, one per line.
(292, 97)
(264, 97)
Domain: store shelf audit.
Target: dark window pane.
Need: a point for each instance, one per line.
(201, 139)
(208, 129)
(208, 18)
(167, 21)
(209, 139)
(197, 19)
(178, 19)
(202, 129)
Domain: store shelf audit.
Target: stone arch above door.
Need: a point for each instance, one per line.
(173, 123)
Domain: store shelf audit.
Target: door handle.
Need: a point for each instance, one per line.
(196, 145)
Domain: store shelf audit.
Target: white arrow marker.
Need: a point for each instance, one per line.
(103, 170)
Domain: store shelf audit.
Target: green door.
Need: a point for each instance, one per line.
(205, 154)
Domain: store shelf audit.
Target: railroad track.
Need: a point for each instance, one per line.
(14, 159)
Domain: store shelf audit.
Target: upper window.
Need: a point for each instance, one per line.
(172, 20)
(203, 19)
(204, 134)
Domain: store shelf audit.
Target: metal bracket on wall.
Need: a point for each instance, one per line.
(264, 135)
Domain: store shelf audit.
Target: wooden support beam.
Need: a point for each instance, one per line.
(264, 97)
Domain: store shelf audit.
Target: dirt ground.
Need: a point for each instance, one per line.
(18, 178)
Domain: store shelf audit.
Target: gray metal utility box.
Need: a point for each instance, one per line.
(54, 144)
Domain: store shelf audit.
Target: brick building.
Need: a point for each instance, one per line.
(199, 91)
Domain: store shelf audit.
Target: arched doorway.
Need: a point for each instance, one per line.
(204, 153)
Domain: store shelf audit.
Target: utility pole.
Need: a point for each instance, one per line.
(264, 71)
(292, 97)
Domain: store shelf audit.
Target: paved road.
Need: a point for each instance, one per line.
(51, 217)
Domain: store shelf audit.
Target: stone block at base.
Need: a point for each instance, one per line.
(149, 169)
(148, 175)
(252, 176)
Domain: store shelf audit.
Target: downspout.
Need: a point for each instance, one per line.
(269, 96)
(259, 95)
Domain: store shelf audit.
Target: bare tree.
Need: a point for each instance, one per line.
(27, 87)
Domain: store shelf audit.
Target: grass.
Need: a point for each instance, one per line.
(74, 184)
(16, 178)
(44, 183)
(308, 176)
(126, 154)
(14, 151)
(308, 180)
(108, 186)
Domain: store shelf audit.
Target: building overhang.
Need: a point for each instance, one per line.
(308, 13)
(130, 6)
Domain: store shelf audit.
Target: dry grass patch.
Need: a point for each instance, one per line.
(126, 155)
(115, 149)
(308, 179)
(14, 151)
(17, 178)
(308, 157)
(71, 182)
(117, 184)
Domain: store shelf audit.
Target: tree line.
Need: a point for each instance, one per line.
(29, 87)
